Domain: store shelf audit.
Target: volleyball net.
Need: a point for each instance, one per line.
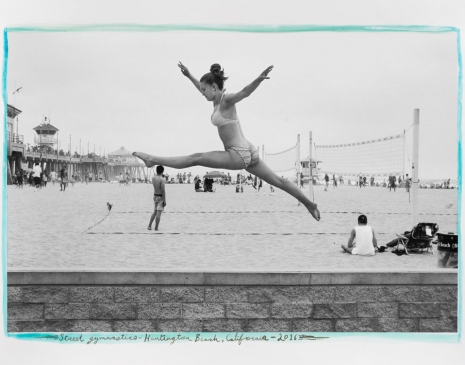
(284, 161)
(378, 157)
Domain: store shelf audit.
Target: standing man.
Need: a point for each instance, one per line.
(37, 171)
(159, 197)
(407, 183)
(86, 176)
(19, 178)
(63, 178)
(334, 181)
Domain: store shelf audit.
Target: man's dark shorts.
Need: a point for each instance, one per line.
(37, 180)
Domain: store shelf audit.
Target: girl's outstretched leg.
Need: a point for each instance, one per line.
(263, 171)
(229, 160)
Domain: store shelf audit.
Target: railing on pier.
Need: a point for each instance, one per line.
(66, 158)
(16, 138)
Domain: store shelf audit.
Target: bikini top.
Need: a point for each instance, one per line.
(218, 120)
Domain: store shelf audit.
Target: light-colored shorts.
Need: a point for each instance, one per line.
(249, 155)
(158, 200)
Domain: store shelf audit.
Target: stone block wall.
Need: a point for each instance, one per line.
(365, 304)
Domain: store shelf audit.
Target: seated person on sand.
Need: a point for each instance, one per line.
(362, 240)
(198, 188)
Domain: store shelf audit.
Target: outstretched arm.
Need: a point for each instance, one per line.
(351, 239)
(185, 72)
(231, 99)
(163, 192)
(375, 241)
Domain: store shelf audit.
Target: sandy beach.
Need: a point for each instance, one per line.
(221, 231)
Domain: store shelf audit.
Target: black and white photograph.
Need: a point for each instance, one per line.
(219, 183)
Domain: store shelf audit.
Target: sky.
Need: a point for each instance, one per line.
(124, 88)
(115, 89)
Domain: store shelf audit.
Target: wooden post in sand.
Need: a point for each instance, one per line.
(416, 135)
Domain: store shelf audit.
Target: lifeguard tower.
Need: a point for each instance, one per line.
(45, 138)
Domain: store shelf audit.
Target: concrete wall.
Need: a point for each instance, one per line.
(230, 302)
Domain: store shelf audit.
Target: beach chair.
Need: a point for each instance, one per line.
(419, 238)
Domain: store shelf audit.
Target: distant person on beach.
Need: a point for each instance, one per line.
(362, 240)
(19, 178)
(198, 188)
(326, 180)
(392, 183)
(408, 182)
(334, 181)
(254, 183)
(53, 176)
(44, 178)
(63, 178)
(37, 171)
(238, 152)
(159, 197)
(301, 180)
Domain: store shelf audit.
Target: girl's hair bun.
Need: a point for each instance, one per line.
(215, 69)
(216, 75)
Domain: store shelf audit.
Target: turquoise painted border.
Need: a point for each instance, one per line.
(3, 173)
(446, 338)
(94, 338)
(459, 182)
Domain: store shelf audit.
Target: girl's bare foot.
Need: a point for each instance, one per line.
(144, 157)
(314, 212)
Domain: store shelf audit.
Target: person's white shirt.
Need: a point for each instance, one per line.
(37, 170)
(363, 241)
(53, 175)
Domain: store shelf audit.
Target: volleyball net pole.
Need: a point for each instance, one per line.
(415, 155)
(297, 164)
(310, 168)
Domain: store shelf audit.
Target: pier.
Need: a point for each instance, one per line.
(104, 168)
